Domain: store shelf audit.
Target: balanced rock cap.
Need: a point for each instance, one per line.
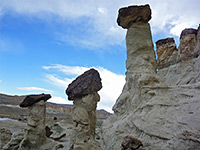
(87, 83)
(188, 31)
(133, 14)
(32, 99)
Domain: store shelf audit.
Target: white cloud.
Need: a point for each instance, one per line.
(53, 79)
(173, 16)
(34, 89)
(0, 81)
(97, 19)
(112, 82)
(68, 70)
(59, 100)
(101, 28)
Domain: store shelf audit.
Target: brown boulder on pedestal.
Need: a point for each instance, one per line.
(133, 14)
(87, 83)
(32, 99)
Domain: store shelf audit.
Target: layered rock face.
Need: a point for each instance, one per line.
(152, 108)
(83, 91)
(179, 67)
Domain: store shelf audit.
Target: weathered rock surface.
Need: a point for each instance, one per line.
(32, 99)
(133, 14)
(152, 107)
(6, 135)
(85, 84)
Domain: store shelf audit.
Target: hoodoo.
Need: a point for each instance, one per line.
(83, 91)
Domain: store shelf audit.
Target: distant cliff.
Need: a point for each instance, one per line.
(9, 108)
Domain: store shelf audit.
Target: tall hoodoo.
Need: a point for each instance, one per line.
(83, 92)
(141, 60)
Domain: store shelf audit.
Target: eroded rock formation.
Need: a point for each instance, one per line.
(162, 108)
(141, 60)
(83, 91)
(178, 67)
(35, 136)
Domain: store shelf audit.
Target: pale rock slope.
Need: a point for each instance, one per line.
(160, 101)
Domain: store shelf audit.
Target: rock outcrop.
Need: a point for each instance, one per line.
(152, 107)
(167, 52)
(179, 67)
(83, 91)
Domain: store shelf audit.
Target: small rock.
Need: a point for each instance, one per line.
(48, 131)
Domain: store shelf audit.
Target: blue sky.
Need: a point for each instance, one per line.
(45, 44)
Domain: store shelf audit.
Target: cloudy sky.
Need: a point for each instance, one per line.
(45, 44)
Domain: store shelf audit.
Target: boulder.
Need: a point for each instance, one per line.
(133, 14)
(85, 84)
